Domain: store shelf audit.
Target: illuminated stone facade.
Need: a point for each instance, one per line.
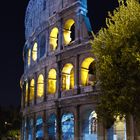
(59, 88)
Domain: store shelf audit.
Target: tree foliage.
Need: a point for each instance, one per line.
(117, 51)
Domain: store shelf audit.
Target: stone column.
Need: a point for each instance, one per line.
(58, 126)
(45, 126)
(45, 84)
(60, 35)
(77, 69)
(76, 124)
(35, 94)
(100, 130)
(58, 78)
(34, 126)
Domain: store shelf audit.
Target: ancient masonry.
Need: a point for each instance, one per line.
(59, 87)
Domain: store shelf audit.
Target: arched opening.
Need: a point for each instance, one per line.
(88, 72)
(68, 77)
(34, 52)
(67, 126)
(39, 128)
(29, 57)
(54, 39)
(69, 31)
(40, 86)
(118, 130)
(89, 126)
(42, 45)
(32, 89)
(26, 93)
(52, 127)
(52, 81)
(30, 129)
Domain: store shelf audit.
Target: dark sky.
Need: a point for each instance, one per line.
(12, 42)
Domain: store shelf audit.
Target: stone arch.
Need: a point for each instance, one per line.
(34, 51)
(32, 89)
(88, 72)
(67, 126)
(118, 129)
(52, 124)
(40, 85)
(89, 125)
(69, 31)
(29, 57)
(53, 39)
(52, 81)
(39, 128)
(68, 77)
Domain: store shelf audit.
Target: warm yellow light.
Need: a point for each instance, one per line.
(67, 31)
(26, 93)
(52, 81)
(34, 52)
(53, 39)
(67, 77)
(29, 57)
(85, 70)
(32, 89)
(120, 128)
(40, 86)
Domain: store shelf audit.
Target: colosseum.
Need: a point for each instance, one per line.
(59, 87)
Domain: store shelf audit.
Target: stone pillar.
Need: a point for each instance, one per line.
(58, 119)
(60, 35)
(58, 78)
(27, 123)
(76, 80)
(34, 126)
(45, 84)
(45, 126)
(35, 94)
(100, 130)
(76, 124)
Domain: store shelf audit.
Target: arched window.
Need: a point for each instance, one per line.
(42, 45)
(69, 31)
(32, 89)
(54, 39)
(52, 127)
(89, 126)
(52, 81)
(88, 72)
(40, 86)
(39, 128)
(26, 93)
(68, 77)
(67, 123)
(29, 57)
(34, 52)
(118, 130)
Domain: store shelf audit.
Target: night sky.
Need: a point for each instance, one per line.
(12, 13)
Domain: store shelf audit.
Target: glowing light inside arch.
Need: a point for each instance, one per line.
(68, 77)
(88, 72)
(52, 81)
(34, 52)
(67, 31)
(32, 89)
(26, 93)
(29, 57)
(54, 39)
(40, 86)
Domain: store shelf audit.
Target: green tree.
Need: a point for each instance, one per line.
(117, 52)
